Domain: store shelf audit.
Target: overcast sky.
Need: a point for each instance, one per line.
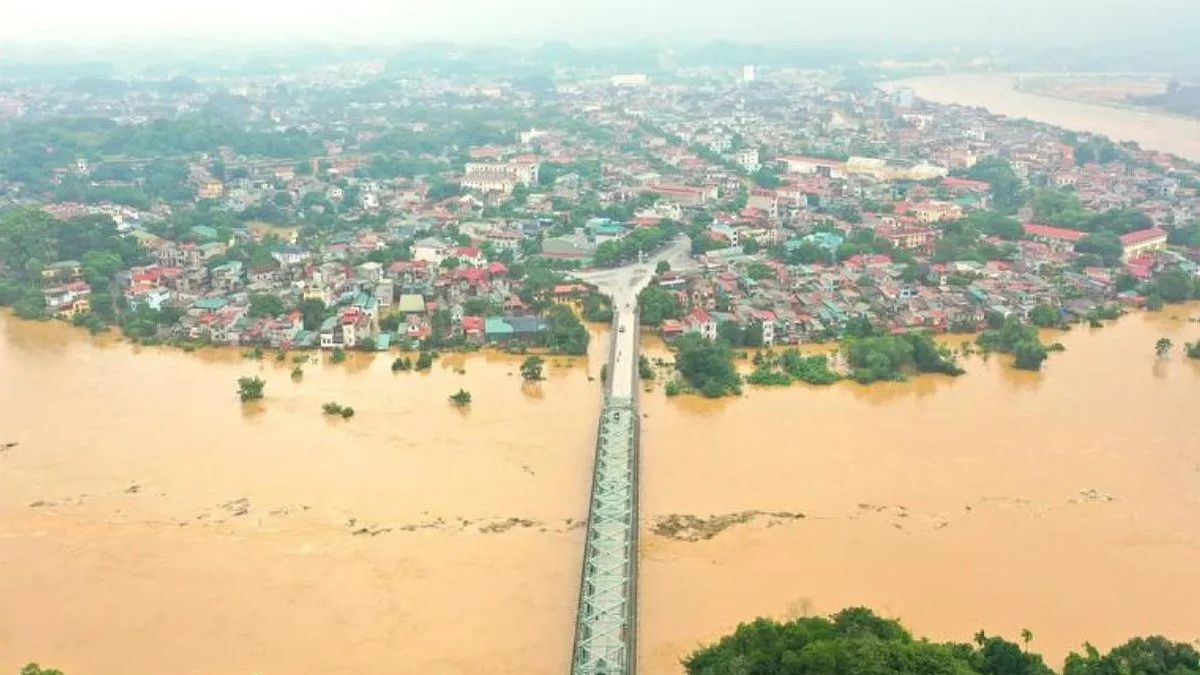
(108, 22)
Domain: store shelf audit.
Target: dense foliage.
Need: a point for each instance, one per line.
(707, 366)
(894, 357)
(1020, 340)
(567, 335)
(781, 369)
(656, 304)
(854, 642)
(857, 642)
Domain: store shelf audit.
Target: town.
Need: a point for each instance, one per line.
(349, 208)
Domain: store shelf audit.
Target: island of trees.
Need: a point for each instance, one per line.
(856, 641)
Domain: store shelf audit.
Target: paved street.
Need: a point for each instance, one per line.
(623, 284)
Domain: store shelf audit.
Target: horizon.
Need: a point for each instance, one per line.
(140, 24)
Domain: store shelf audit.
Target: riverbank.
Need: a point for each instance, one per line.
(1107, 90)
(1165, 132)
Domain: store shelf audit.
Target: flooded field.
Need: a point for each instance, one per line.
(150, 523)
(1066, 502)
(1154, 130)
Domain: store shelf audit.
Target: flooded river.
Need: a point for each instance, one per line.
(1066, 502)
(150, 523)
(1154, 130)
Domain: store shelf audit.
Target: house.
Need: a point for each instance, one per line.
(62, 272)
(527, 330)
(431, 250)
(501, 176)
(811, 166)
(700, 321)
(470, 255)
(1048, 234)
(210, 189)
(748, 160)
(65, 302)
(1135, 243)
(290, 255)
(684, 194)
(411, 303)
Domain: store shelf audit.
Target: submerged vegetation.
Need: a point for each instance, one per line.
(707, 366)
(344, 411)
(1020, 340)
(781, 369)
(895, 357)
(250, 388)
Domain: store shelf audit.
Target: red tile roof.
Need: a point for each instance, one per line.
(1141, 236)
(1051, 232)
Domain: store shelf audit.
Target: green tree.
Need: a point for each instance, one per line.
(1154, 655)
(1006, 186)
(424, 361)
(531, 369)
(263, 305)
(1163, 347)
(853, 642)
(1044, 316)
(1107, 245)
(250, 388)
(35, 669)
(566, 334)
(27, 243)
(461, 398)
(707, 366)
(313, 310)
(656, 304)
(1175, 286)
(1029, 355)
(1192, 349)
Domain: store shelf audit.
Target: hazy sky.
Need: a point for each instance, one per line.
(106, 22)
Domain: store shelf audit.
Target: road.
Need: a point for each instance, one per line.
(606, 623)
(623, 284)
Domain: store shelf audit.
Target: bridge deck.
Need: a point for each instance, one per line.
(606, 625)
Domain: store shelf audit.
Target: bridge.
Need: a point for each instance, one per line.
(606, 623)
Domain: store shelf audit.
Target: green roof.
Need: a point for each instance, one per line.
(210, 303)
(496, 325)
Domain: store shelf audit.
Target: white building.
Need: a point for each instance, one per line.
(748, 72)
(748, 160)
(500, 176)
(431, 250)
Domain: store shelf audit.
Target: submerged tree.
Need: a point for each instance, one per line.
(531, 369)
(1163, 346)
(250, 388)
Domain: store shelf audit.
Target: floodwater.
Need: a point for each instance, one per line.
(151, 523)
(1160, 131)
(1066, 501)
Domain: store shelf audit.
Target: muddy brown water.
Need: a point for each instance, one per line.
(1160, 131)
(151, 523)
